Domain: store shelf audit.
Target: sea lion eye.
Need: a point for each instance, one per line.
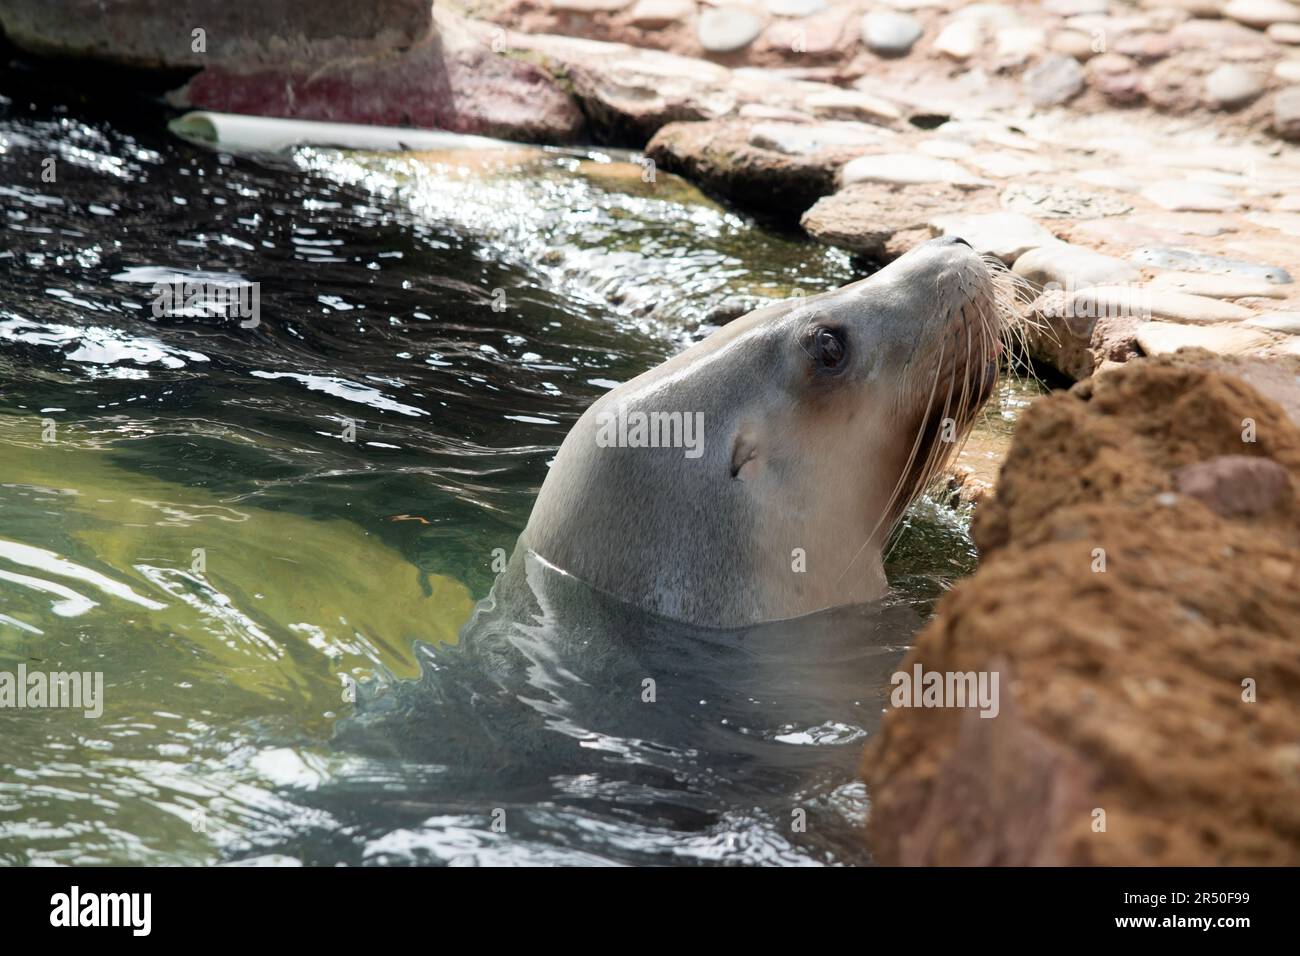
(828, 347)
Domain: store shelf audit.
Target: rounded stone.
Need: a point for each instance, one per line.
(905, 169)
(1072, 267)
(1054, 80)
(1286, 113)
(1288, 322)
(1288, 71)
(1073, 43)
(727, 29)
(655, 14)
(800, 139)
(1262, 13)
(960, 39)
(589, 6)
(890, 34)
(1182, 196)
(1285, 33)
(1230, 86)
(1158, 338)
(1116, 77)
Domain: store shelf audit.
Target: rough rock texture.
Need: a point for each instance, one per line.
(883, 221)
(159, 33)
(1121, 690)
(1076, 340)
(721, 158)
(450, 81)
(1158, 55)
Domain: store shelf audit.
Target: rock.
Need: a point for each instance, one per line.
(822, 37)
(1230, 86)
(987, 131)
(905, 169)
(1074, 8)
(1014, 45)
(1235, 485)
(890, 34)
(1191, 197)
(1054, 80)
(1120, 689)
(1110, 179)
(946, 148)
(780, 114)
(451, 81)
(1077, 342)
(1194, 224)
(1158, 338)
(1262, 13)
(1006, 235)
(1189, 260)
(588, 6)
(719, 156)
(627, 94)
(960, 39)
(1287, 222)
(1288, 322)
(1217, 286)
(269, 35)
(866, 217)
(1008, 165)
(1073, 43)
(1145, 46)
(1200, 9)
(1146, 302)
(1286, 113)
(653, 14)
(727, 29)
(1043, 201)
(1216, 35)
(1175, 85)
(852, 105)
(1288, 71)
(1072, 267)
(1116, 77)
(1285, 33)
(796, 8)
(802, 139)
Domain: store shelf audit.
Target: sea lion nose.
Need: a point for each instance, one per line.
(954, 239)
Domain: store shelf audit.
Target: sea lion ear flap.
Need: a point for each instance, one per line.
(744, 453)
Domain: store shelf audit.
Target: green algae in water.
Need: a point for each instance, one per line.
(265, 602)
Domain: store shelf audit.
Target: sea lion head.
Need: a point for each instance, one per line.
(757, 475)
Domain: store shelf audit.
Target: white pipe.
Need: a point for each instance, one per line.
(271, 134)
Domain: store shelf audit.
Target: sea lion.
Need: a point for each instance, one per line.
(757, 475)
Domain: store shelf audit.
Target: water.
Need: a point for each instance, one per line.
(179, 510)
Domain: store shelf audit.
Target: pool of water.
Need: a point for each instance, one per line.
(271, 540)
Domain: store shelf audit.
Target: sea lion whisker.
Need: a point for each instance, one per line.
(886, 513)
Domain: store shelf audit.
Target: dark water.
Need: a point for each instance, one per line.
(238, 526)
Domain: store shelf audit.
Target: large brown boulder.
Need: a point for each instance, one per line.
(1139, 597)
